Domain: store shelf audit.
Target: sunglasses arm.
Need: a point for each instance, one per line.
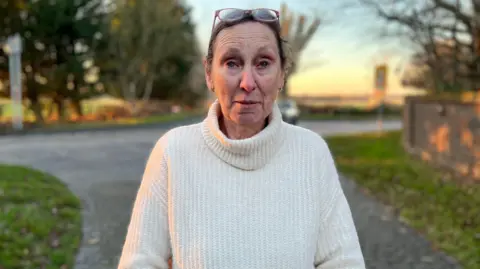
(215, 18)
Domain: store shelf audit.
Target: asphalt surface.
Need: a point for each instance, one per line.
(104, 169)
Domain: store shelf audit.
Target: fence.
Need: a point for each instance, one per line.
(446, 133)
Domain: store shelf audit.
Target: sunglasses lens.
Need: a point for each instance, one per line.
(265, 14)
(231, 14)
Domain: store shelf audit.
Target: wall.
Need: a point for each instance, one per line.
(446, 133)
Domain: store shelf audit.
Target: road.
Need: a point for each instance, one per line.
(104, 170)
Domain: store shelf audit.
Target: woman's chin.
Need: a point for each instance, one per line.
(247, 119)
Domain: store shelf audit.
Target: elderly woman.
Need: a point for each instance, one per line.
(242, 189)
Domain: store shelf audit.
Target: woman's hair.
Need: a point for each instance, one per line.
(283, 47)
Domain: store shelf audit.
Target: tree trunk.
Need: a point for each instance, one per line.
(476, 45)
(77, 107)
(132, 90)
(137, 108)
(148, 90)
(33, 96)
(59, 102)
(51, 110)
(129, 91)
(36, 108)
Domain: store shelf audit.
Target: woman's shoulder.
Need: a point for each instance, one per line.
(181, 136)
(300, 137)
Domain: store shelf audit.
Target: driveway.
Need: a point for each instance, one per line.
(104, 169)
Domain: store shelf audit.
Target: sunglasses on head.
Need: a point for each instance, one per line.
(236, 14)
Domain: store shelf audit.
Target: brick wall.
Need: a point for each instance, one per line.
(446, 133)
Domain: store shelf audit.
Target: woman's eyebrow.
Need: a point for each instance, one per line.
(265, 49)
(232, 50)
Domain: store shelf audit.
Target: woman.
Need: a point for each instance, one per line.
(242, 189)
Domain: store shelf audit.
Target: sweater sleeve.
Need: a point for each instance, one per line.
(338, 245)
(147, 244)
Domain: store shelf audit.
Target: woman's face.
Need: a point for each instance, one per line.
(246, 72)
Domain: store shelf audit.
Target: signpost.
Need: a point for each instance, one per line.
(14, 51)
(380, 86)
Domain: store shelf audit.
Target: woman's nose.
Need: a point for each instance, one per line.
(247, 82)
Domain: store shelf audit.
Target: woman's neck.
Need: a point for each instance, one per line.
(224, 139)
(236, 131)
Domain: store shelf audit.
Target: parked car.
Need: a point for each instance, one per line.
(290, 111)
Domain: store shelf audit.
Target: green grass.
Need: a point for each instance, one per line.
(154, 119)
(354, 117)
(40, 220)
(430, 201)
(133, 121)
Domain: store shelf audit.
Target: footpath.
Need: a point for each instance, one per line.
(104, 168)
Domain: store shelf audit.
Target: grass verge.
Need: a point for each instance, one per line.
(40, 220)
(154, 119)
(126, 122)
(353, 117)
(430, 201)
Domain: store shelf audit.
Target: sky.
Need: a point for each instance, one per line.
(340, 59)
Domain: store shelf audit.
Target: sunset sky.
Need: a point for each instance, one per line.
(347, 45)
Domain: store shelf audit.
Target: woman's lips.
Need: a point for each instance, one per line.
(247, 102)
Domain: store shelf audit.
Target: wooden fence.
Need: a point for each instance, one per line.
(446, 133)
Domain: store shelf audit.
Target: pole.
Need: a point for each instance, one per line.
(380, 115)
(381, 77)
(14, 44)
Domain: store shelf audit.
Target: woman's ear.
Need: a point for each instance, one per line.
(208, 73)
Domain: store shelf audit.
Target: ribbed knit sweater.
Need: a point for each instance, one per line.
(270, 201)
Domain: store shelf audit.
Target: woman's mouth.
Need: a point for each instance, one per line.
(245, 105)
(247, 102)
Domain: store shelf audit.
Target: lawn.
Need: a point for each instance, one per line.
(153, 119)
(72, 126)
(40, 220)
(430, 201)
(351, 117)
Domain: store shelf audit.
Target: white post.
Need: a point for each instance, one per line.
(14, 50)
(381, 72)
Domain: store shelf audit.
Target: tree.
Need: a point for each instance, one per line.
(187, 83)
(15, 19)
(58, 37)
(72, 36)
(152, 42)
(298, 34)
(445, 35)
(438, 68)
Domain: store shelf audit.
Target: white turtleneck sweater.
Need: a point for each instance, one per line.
(271, 201)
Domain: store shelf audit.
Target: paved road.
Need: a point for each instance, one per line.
(104, 169)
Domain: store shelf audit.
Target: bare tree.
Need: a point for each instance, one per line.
(143, 35)
(445, 35)
(296, 31)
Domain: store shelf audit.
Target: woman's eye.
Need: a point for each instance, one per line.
(231, 64)
(263, 64)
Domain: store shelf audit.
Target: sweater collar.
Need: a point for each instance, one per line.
(247, 154)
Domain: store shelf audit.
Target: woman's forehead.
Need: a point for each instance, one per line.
(235, 49)
(246, 36)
